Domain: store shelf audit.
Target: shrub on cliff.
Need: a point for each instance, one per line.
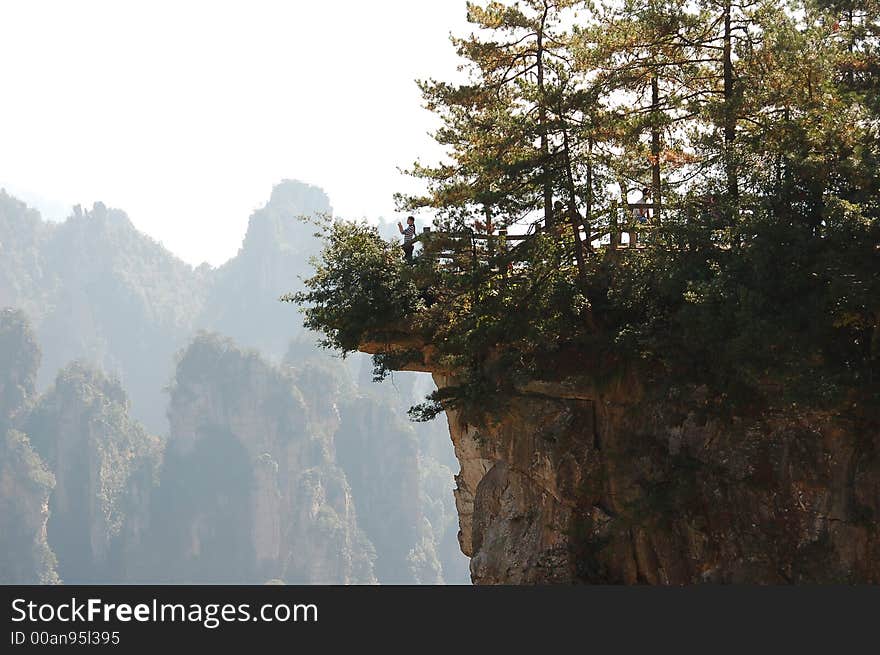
(26, 485)
(360, 286)
(759, 275)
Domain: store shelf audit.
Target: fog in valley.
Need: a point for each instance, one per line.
(161, 423)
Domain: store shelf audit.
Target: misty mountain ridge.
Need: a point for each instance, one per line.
(93, 282)
(120, 320)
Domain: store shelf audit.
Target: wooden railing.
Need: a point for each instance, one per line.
(482, 247)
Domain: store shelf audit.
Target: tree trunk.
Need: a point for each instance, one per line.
(655, 146)
(588, 212)
(573, 215)
(542, 124)
(729, 112)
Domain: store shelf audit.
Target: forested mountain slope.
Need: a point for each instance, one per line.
(128, 313)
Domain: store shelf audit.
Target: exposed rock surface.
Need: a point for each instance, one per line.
(250, 489)
(242, 298)
(401, 491)
(576, 483)
(25, 485)
(25, 481)
(103, 463)
(380, 456)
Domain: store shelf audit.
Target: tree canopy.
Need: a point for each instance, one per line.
(756, 127)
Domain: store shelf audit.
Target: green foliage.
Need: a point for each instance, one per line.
(235, 378)
(27, 557)
(361, 285)
(757, 127)
(82, 429)
(17, 448)
(19, 362)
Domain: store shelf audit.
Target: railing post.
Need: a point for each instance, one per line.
(615, 228)
(475, 261)
(502, 249)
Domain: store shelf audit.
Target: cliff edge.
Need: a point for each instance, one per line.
(576, 483)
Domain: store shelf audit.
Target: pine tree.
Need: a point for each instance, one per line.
(642, 55)
(498, 125)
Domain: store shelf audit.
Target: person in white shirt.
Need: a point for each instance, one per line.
(409, 236)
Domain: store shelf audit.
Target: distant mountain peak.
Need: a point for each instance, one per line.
(278, 224)
(295, 197)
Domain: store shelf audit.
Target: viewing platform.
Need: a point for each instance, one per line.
(480, 247)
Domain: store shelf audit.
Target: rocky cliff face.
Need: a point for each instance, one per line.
(381, 459)
(518, 491)
(250, 489)
(573, 482)
(25, 485)
(25, 481)
(102, 462)
(242, 296)
(401, 490)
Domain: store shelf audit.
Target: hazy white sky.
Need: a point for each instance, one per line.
(185, 113)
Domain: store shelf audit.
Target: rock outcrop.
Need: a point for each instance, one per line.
(250, 489)
(103, 463)
(381, 459)
(25, 485)
(572, 482)
(25, 481)
(242, 297)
